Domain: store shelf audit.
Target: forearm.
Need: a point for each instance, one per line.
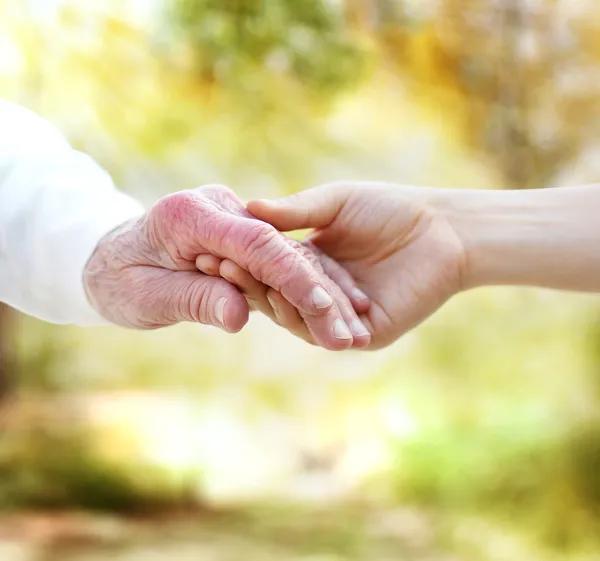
(547, 238)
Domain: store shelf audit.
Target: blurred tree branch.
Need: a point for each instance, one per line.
(517, 82)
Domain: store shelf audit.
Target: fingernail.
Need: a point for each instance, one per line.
(220, 311)
(340, 330)
(321, 299)
(358, 328)
(359, 294)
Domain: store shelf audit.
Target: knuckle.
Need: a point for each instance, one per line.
(266, 255)
(312, 257)
(258, 236)
(212, 228)
(183, 223)
(176, 213)
(256, 243)
(285, 260)
(284, 267)
(222, 198)
(176, 206)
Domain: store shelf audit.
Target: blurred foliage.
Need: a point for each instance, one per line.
(518, 81)
(545, 483)
(237, 44)
(221, 81)
(270, 69)
(50, 467)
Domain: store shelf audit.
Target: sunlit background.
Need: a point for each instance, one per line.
(476, 437)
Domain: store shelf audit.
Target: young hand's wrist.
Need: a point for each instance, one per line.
(547, 237)
(502, 232)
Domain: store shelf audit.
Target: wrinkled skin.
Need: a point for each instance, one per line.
(145, 274)
(402, 251)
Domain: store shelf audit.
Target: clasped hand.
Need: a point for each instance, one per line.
(378, 262)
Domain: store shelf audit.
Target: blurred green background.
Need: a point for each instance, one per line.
(476, 437)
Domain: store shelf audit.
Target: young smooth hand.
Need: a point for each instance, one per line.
(402, 251)
(412, 248)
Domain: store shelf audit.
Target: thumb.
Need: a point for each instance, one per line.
(185, 296)
(314, 208)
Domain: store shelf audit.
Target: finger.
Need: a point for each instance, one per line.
(255, 292)
(243, 280)
(208, 264)
(336, 335)
(360, 334)
(360, 301)
(268, 301)
(288, 317)
(272, 260)
(330, 332)
(169, 297)
(275, 261)
(314, 208)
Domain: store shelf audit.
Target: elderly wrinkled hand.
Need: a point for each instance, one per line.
(156, 271)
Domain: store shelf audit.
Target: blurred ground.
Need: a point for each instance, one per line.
(266, 534)
(319, 536)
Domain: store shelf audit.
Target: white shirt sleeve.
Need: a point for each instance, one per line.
(55, 205)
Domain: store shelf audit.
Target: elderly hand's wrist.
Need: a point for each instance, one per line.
(117, 250)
